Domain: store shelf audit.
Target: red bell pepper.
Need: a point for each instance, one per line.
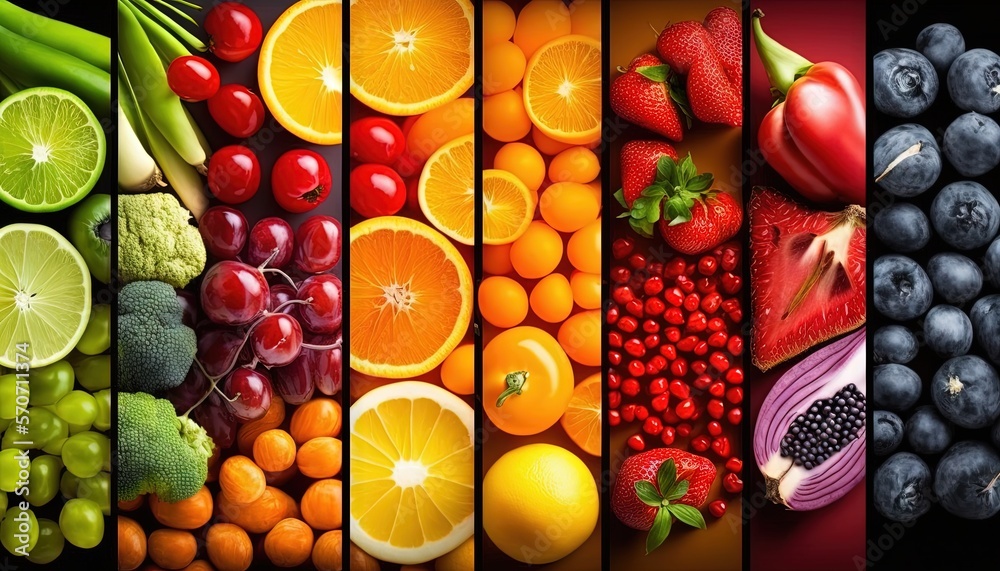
(814, 136)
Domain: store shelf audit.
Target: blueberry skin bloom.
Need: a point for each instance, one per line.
(972, 144)
(974, 81)
(907, 160)
(905, 82)
(941, 44)
(965, 215)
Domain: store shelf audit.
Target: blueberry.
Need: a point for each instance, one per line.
(974, 81)
(965, 215)
(907, 159)
(956, 278)
(991, 263)
(941, 44)
(902, 289)
(966, 480)
(972, 144)
(948, 331)
(894, 344)
(903, 487)
(902, 227)
(966, 390)
(905, 82)
(985, 315)
(888, 432)
(897, 387)
(927, 431)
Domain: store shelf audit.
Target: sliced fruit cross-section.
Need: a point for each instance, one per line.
(582, 419)
(412, 459)
(508, 207)
(562, 89)
(411, 297)
(300, 70)
(447, 187)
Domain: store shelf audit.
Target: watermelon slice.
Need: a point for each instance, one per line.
(807, 275)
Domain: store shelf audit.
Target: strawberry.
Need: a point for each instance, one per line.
(647, 94)
(654, 487)
(710, 55)
(692, 218)
(638, 162)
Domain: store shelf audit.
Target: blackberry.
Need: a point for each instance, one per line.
(828, 426)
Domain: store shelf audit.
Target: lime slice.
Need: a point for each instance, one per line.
(44, 295)
(52, 149)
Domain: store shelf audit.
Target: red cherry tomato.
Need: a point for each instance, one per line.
(376, 140)
(233, 174)
(235, 31)
(300, 180)
(318, 244)
(376, 190)
(237, 110)
(193, 78)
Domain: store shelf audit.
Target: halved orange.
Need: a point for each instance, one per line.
(300, 69)
(411, 297)
(508, 207)
(582, 419)
(446, 189)
(410, 57)
(562, 89)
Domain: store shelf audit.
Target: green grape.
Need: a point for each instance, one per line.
(82, 523)
(78, 407)
(103, 420)
(4, 423)
(78, 428)
(18, 525)
(3, 502)
(51, 383)
(68, 485)
(10, 469)
(97, 336)
(97, 489)
(42, 427)
(43, 479)
(86, 453)
(54, 446)
(94, 373)
(50, 543)
(8, 396)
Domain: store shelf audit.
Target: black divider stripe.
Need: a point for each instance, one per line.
(606, 225)
(345, 183)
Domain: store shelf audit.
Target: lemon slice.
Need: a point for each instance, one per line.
(562, 89)
(508, 207)
(412, 460)
(300, 70)
(44, 295)
(446, 189)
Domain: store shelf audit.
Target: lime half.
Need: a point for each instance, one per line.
(44, 295)
(52, 149)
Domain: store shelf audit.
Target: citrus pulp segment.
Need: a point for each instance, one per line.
(446, 189)
(562, 89)
(582, 419)
(508, 207)
(412, 461)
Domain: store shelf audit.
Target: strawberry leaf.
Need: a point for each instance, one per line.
(678, 212)
(677, 491)
(648, 494)
(641, 227)
(620, 197)
(653, 213)
(687, 514)
(666, 170)
(700, 183)
(659, 531)
(666, 476)
(657, 73)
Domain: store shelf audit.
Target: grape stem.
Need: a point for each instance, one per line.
(286, 277)
(336, 345)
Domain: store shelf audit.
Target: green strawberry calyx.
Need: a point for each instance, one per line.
(671, 196)
(672, 82)
(668, 489)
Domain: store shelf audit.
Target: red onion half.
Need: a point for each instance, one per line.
(819, 385)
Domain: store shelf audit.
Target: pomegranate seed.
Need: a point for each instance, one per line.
(717, 389)
(668, 435)
(620, 274)
(628, 412)
(668, 351)
(697, 322)
(651, 368)
(674, 268)
(614, 380)
(658, 361)
(614, 399)
(651, 341)
(690, 269)
(633, 346)
(684, 430)
(650, 326)
(714, 427)
(711, 302)
(702, 382)
(719, 361)
(670, 417)
(622, 294)
(685, 283)
(734, 464)
(717, 339)
(679, 367)
(615, 339)
(732, 483)
(736, 316)
(630, 387)
(735, 395)
(735, 345)
(673, 334)
(716, 324)
(660, 403)
(654, 306)
(614, 419)
(622, 247)
(706, 285)
(628, 324)
(657, 386)
(637, 261)
(734, 376)
(698, 367)
(673, 315)
(700, 349)
(636, 442)
(655, 268)
(685, 408)
(653, 285)
(700, 443)
(636, 368)
(715, 408)
(679, 389)
(641, 412)
(707, 265)
(735, 415)
(674, 296)
(636, 308)
(696, 415)
(721, 446)
(612, 316)
(652, 426)
(730, 305)
(615, 358)
(730, 259)
(687, 344)
(717, 508)
(731, 283)
(691, 302)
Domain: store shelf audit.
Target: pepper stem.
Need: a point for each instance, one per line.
(783, 66)
(515, 384)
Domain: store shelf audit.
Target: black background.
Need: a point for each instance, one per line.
(936, 536)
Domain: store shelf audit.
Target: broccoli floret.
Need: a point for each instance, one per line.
(155, 348)
(156, 240)
(159, 452)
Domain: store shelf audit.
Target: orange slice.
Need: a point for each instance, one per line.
(446, 189)
(300, 69)
(410, 57)
(582, 419)
(562, 89)
(508, 207)
(411, 297)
